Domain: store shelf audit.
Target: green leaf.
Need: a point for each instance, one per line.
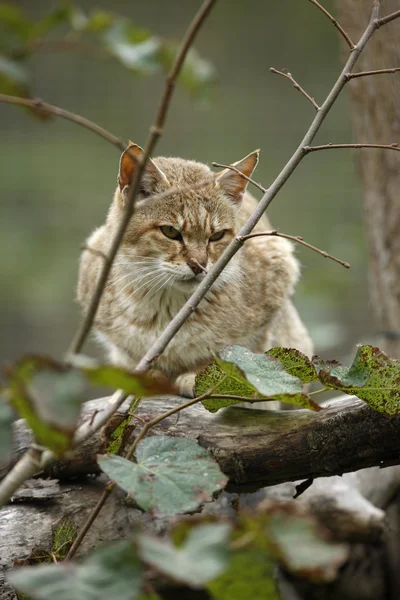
(250, 576)
(58, 16)
(136, 384)
(203, 556)
(110, 572)
(171, 475)
(14, 79)
(135, 48)
(48, 395)
(6, 421)
(260, 374)
(99, 21)
(301, 545)
(197, 76)
(13, 21)
(373, 377)
(296, 363)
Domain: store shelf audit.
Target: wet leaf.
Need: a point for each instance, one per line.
(258, 375)
(6, 421)
(171, 475)
(110, 572)
(296, 363)
(200, 558)
(373, 376)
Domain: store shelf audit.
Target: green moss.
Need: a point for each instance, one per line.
(116, 443)
(64, 534)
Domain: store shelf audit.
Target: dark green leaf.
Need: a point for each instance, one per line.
(373, 377)
(203, 556)
(60, 15)
(111, 572)
(13, 21)
(48, 396)
(6, 421)
(250, 576)
(258, 375)
(137, 384)
(296, 363)
(171, 475)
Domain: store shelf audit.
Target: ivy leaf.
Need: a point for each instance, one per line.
(260, 374)
(373, 376)
(6, 421)
(171, 475)
(110, 572)
(250, 575)
(296, 363)
(136, 384)
(48, 395)
(203, 556)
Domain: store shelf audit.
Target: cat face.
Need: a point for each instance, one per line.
(172, 242)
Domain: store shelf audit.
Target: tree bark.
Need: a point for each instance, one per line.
(257, 447)
(376, 119)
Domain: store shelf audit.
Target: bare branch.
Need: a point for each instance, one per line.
(294, 238)
(176, 323)
(50, 109)
(367, 73)
(336, 24)
(308, 149)
(233, 168)
(296, 86)
(388, 18)
(155, 132)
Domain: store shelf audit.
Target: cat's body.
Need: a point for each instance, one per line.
(155, 274)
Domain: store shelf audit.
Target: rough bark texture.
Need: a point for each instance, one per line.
(257, 448)
(376, 119)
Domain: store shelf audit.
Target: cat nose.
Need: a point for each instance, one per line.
(196, 266)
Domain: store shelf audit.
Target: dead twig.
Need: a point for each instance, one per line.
(293, 238)
(367, 73)
(387, 19)
(334, 21)
(296, 86)
(233, 168)
(308, 149)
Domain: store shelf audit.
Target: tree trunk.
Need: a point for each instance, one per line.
(375, 106)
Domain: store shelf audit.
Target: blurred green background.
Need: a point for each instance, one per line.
(57, 179)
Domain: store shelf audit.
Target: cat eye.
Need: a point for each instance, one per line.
(170, 232)
(215, 237)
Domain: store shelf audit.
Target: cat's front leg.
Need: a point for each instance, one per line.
(186, 384)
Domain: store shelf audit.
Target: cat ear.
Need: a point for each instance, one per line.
(127, 165)
(232, 183)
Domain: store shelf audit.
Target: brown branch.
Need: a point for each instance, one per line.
(50, 109)
(184, 313)
(387, 19)
(367, 73)
(296, 86)
(336, 24)
(308, 149)
(233, 168)
(156, 131)
(294, 238)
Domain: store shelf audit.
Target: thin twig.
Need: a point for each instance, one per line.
(184, 313)
(165, 415)
(308, 149)
(50, 109)
(336, 24)
(296, 86)
(90, 520)
(294, 238)
(387, 19)
(233, 168)
(156, 131)
(367, 73)
(241, 398)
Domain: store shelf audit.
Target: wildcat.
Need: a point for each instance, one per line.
(169, 245)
